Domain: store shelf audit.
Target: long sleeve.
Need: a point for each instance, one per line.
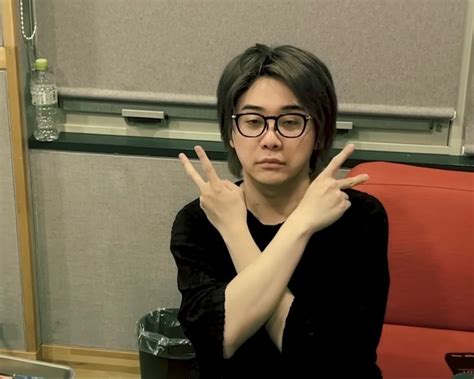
(203, 273)
(337, 328)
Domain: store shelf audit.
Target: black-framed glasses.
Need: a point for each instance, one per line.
(288, 125)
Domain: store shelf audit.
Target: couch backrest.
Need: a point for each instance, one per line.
(431, 243)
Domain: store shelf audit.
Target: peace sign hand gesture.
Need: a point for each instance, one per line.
(324, 201)
(222, 201)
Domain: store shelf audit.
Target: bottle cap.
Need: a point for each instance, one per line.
(41, 64)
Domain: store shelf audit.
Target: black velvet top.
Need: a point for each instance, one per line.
(340, 286)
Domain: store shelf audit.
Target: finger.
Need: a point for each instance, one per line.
(234, 187)
(338, 160)
(207, 166)
(191, 171)
(228, 184)
(352, 181)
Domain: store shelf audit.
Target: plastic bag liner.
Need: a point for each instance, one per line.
(164, 351)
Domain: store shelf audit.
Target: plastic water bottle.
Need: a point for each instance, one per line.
(44, 96)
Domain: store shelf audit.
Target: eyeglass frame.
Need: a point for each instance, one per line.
(235, 117)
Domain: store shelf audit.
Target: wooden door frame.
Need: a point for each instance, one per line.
(9, 61)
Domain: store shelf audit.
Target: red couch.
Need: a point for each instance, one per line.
(431, 254)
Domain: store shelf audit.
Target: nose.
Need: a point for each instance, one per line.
(271, 139)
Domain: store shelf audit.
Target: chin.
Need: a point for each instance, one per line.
(278, 177)
(270, 178)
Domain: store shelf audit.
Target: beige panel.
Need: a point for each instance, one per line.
(1, 26)
(120, 362)
(103, 224)
(11, 311)
(469, 109)
(3, 59)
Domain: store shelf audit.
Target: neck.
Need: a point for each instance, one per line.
(272, 204)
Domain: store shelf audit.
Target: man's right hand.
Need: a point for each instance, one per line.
(222, 201)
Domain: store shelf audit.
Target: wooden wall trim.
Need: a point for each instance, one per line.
(20, 354)
(3, 61)
(85, 358)
(20, 161)
(93, 359)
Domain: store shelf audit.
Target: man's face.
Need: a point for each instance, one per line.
(271, 158)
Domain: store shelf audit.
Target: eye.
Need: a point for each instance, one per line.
(291, 121)
(252, 120)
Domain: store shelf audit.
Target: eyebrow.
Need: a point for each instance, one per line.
(291, 107)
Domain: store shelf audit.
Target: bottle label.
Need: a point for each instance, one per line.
(47, 96)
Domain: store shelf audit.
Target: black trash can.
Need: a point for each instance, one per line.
(163, 349)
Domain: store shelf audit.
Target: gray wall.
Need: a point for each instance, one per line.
(11, 308)
(400, 53)
(103, 224)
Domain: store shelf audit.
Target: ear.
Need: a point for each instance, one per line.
(231, 142)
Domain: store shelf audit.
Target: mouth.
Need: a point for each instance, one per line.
(270, 162)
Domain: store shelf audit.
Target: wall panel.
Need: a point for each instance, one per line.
(103, 224)
(383, 53)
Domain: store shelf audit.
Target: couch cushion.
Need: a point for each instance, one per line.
(431, 243)
(412, 352)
